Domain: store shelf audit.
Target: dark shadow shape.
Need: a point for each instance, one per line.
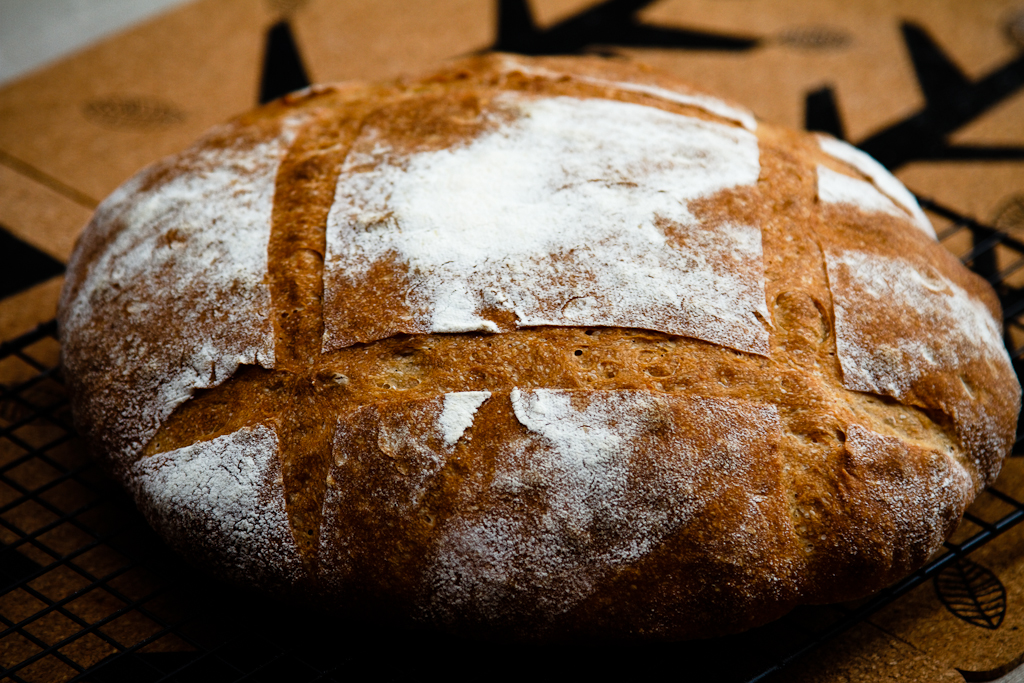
(951, 101)
(23, 266)
(515, 26)
(328, 649)
(943, 84)
(15, 568)
(978, 153)
(283, 71)
(822, 114)
(136, 667)
(610, 23)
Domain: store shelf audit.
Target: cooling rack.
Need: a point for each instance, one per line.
(90, 594)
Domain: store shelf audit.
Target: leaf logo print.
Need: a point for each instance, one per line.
(972, 593)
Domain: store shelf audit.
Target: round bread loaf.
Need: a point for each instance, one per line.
(535, 348)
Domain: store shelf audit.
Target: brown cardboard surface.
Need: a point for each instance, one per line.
(854, 45)
(372, 41)
(978, 189)
(24, 310)
(72, 132)
(185, 72)
(856, 50)
(39, 214)
(869, 655)
(859, 52)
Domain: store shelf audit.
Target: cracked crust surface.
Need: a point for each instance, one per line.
(670, 396)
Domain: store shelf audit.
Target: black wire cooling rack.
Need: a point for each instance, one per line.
(90, 594)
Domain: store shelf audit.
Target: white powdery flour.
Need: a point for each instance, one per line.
(917, 504)
(459, 410)
(224, 496)
(929, 324)
(886, 182)
(591, 510)
(576, 213)
(182, 293)
(836, 188)
(406, 435)
(712, 105)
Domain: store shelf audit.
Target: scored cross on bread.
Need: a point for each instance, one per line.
(536, 348)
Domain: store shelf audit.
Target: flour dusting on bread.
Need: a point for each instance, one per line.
(929, 325)
(224, 496)
(838, 188)
(164, 335)
(920, 494)
(575, 213)
(459, 409)
(511, 363)
(612, 474)
(886, 182)
(710, 104)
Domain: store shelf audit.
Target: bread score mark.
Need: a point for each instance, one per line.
(903, 328)
(712, 105)
(884, 181)
(225, 499)
(837, 188)
(160, 335)
(609, 475)
(933, 324)
(575, 213)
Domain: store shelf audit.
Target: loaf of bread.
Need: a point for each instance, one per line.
(535, 349)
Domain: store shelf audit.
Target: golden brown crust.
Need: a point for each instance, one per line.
(549, 479)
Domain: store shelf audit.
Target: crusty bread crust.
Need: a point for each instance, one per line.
(697, 370)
